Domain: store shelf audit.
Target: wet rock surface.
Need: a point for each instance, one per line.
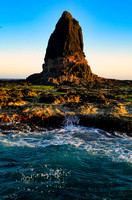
(28, 107)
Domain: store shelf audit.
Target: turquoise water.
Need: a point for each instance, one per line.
(68, 163)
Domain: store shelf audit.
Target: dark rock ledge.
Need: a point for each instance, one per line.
(101, 121)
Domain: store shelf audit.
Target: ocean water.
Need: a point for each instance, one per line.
(69, 163)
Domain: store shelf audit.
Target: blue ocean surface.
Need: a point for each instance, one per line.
(69, 163)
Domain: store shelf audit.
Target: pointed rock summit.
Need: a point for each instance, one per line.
(64, 60)
(66, 40)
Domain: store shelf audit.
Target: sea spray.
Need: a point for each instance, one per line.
(71, 121)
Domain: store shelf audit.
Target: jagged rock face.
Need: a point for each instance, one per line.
(66, 40)
(67, 66)
(67, 69)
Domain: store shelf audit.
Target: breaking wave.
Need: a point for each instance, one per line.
(69, 163)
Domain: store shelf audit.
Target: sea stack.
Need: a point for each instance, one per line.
(64, 60)
(66, 40)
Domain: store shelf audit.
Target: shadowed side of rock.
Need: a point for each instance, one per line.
(66, 40)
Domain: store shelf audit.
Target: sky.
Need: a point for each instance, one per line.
(26, 25)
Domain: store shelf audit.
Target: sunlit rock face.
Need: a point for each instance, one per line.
(64, 59)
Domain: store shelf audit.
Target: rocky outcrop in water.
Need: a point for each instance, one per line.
(64, 59)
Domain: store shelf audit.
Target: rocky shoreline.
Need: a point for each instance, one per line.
(31, 107)
(65, 87)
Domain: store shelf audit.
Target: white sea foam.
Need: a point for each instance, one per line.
(94, 141)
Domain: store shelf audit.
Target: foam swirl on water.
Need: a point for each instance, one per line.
(65, 162)
(92, 140)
